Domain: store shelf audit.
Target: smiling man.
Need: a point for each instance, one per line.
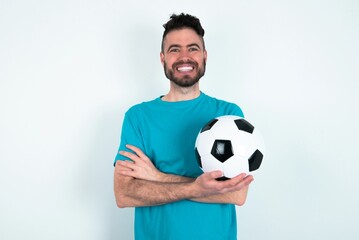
(183, 57)
(156, 170)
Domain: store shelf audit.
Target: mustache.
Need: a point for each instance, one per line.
(181, 62)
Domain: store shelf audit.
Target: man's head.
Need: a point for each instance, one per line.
(181, 21)
(183, 53)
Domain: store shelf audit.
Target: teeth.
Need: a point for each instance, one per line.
(185, 69)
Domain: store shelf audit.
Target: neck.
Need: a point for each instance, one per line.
(178, 93)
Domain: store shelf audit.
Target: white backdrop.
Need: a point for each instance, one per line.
(70, 69)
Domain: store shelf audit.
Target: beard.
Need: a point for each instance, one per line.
(186, 80)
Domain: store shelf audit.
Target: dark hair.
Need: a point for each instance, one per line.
(181, 21)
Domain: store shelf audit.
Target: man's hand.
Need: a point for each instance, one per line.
(140, 166)
(207, 184)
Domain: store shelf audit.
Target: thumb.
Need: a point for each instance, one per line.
(216, 174)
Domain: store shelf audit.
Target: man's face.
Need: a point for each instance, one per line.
(183, 57)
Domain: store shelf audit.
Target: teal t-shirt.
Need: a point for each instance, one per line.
(166, 132)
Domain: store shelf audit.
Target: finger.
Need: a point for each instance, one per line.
(239, 178)
(239, 183)
(128, 173)
(129, 165)
(137, 150)
(246, 179)
(235, 181)
(240, 186)
(121, 169)
(126, 168)
(215, 174)
(129, 155)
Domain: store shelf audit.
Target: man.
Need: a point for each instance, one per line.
(174, 199)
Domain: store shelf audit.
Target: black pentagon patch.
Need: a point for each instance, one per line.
(244, 125)
(209, 125)
(222, 150)
(222, 178)
(255, 160)
(198, 157)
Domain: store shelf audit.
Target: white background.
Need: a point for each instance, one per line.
(70, 69)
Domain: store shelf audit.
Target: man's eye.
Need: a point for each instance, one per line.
(192, 49)
(174, 50)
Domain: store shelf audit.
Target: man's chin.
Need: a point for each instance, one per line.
(184, 82)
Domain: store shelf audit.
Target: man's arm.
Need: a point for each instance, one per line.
(139, 183)
(237, 197)
(133, 192)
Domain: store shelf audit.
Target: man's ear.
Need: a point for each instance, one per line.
(162, 57)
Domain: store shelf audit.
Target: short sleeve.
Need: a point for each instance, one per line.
(130, 134)
(236, 110)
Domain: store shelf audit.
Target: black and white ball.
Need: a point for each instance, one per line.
(230, 144)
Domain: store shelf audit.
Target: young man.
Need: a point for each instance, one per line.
(174, 199)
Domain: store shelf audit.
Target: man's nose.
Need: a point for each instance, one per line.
(184, 55)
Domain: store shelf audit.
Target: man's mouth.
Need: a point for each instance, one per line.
(185, 68)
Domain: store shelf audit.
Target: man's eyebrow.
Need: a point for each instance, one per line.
(173, 45)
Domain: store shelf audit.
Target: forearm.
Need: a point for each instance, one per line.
(137, 192)
(236, 197)
(172, 178)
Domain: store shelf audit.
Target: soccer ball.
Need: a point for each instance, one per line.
(230, 144)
